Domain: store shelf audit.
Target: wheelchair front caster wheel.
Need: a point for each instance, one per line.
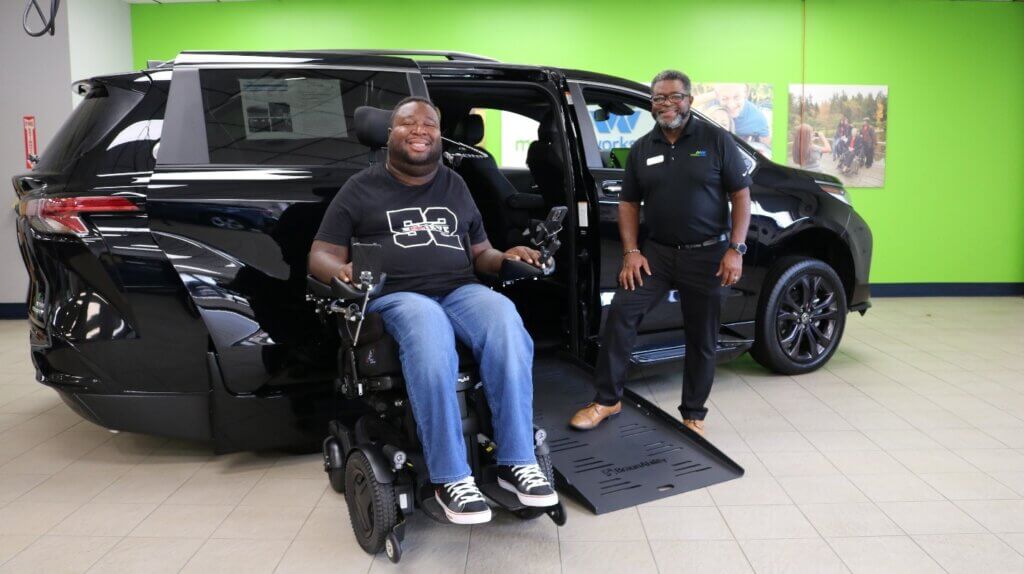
(334, 464)
(393, 548)
(557, 514)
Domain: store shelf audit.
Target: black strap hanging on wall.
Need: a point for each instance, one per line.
(48, 23)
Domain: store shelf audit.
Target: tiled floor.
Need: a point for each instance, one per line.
(905, 454)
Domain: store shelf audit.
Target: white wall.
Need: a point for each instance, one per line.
(92, 37)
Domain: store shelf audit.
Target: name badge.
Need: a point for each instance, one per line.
(655, 160)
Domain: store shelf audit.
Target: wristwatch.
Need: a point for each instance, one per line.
(740, 248)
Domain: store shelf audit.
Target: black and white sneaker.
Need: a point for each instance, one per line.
(529, 483)
(462, 502)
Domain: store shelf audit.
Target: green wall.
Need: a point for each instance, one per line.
(952, 209)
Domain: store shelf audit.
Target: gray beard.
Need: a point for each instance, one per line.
(671, 125)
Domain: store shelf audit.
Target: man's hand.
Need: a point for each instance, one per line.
(731, 268)
(523, 253)
(344, 273)
(630, 275)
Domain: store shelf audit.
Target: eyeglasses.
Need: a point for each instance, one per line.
(674, 98)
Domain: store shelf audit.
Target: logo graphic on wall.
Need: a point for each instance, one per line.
(415, 227)
(614, 123)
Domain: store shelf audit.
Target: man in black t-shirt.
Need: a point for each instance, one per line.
(433, 243)
(687, 172)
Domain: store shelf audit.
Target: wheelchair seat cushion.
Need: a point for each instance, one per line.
(380, 357)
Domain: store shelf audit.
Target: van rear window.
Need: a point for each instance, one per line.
(292, 116)
(90, 122)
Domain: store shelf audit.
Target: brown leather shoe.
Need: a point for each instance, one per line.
(695, 425)
(591, 415)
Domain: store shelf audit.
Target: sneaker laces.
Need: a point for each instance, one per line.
(530, 475)
(464, 491)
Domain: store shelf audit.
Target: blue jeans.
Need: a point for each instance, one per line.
(487, 322)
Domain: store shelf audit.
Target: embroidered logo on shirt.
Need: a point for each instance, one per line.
(415, 227)
(699, 153)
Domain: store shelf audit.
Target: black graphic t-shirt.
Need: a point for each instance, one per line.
(425, 231)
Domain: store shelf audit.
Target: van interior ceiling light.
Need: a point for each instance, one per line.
(48, 23)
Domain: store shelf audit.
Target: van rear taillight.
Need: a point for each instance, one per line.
(64, 215)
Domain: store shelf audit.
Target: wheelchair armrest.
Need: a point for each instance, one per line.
(512, 271)
(528, 201)
(338, 289)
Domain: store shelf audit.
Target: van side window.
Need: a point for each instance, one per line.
(292, 116)
(618, 120)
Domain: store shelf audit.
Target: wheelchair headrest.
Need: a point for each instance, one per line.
(372, 126)
(470, 130)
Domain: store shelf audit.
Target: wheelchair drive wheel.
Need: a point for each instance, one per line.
(371, 505)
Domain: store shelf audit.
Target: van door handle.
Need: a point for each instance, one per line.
(611, 188)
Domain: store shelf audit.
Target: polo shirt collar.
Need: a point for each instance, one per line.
(688, 130)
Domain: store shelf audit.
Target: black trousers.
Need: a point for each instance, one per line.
(692, 273)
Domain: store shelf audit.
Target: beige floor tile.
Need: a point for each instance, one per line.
(934, 517)
(858, 462)
(325, 556)
(999, 516)
(777, 441)
(512, 554)
(901, 487)
(932, 460)
(814, 489)
(856, 519)
(587, 557)
(876, 420)
(141, 485)
(103, 519)
(213, 490)
(33, 517)
(749, 490)
(182, 521)
(286, 492)
(686, 557)
(1014, 480)
(621, 525)
(972, 553)
(964, 439)
(811, 556)
(832, 441)
(1015, 540)
(884, 555)
(765, 522)
(994, 460)
(224, 556)
(57, 554)
(298, 466)
(149, 555)
(67, 486)
(781, 464)
(697, 523)
(969, 486)
(263, 522)
(14, 485)
(902, 439)
(11, 544)
(329, 522)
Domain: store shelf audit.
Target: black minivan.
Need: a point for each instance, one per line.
(166, 227)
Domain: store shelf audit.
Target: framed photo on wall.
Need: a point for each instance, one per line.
(839, 130)
(744, 109)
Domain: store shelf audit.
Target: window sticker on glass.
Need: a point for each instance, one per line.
(292, 108)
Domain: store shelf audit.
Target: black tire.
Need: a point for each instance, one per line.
(371, 505)
(393, 548)
(801, 316)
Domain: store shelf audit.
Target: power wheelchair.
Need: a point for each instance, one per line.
(373, 455)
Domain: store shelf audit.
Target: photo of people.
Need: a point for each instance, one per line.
(839, 130)
(743, 109)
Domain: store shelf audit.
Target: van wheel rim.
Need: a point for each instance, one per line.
(807, 318)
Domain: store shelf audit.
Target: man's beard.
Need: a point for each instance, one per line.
(399, 158)
(672, 124)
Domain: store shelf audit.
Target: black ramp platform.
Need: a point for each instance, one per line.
(643, 454)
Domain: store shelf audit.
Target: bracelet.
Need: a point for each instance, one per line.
(630, 251)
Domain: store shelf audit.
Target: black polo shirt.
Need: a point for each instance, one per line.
(685, 186)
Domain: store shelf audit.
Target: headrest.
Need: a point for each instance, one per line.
(470, 129)
(372, 126)
(546, 131)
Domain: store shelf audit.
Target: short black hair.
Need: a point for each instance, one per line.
(672, 75)
(409, 100)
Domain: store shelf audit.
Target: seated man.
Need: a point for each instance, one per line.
(433, 242)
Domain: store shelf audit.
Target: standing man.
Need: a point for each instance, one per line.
(867, 141)
(686, 171)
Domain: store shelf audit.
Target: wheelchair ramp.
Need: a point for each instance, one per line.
(643, 454)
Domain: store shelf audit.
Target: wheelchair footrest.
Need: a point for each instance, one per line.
(432, 508)
(505, 499)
